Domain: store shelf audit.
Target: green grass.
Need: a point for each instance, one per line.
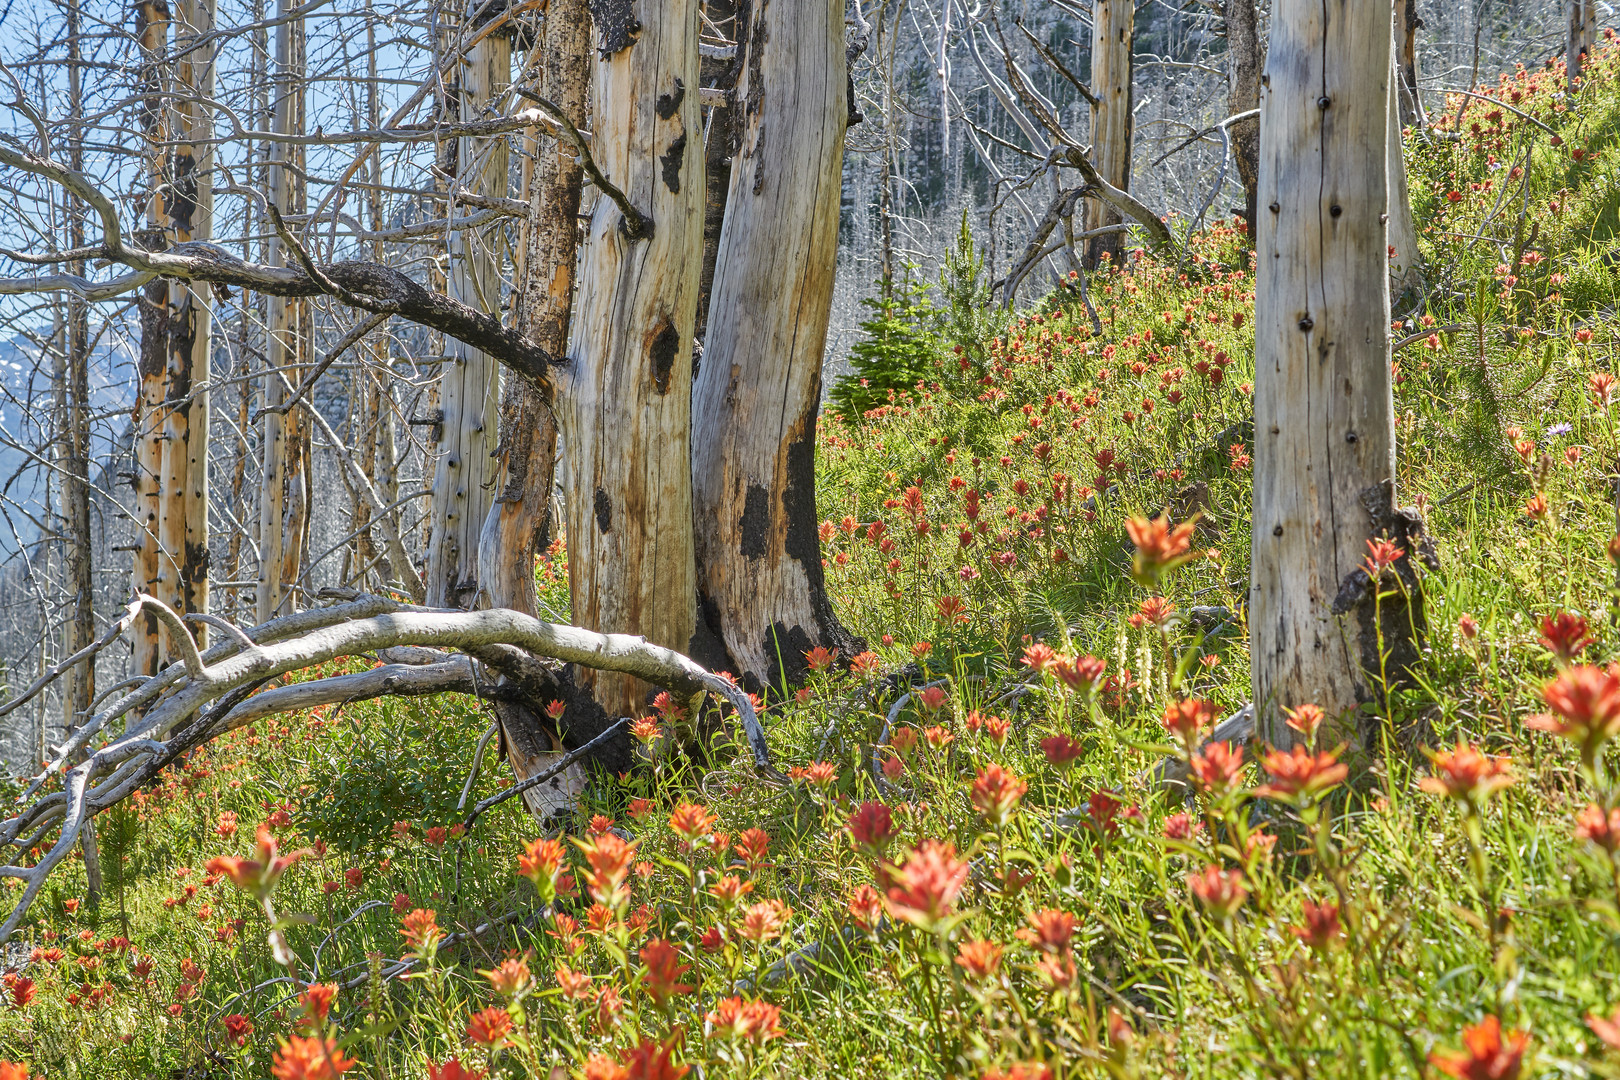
(1451, 911)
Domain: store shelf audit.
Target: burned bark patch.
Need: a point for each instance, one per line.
(604, 511)
(617, 24)
(785, 647)
(801, 541)
(666, 345)
(672, 161)
(669, 104)
(754, 527)
(154, 307)
(1388, 614)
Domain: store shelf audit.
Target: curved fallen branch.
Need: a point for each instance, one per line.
(213, 692)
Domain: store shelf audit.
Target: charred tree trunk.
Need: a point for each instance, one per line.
(625, 400)
(1245, 58)
(469, 394)
(80, 688)
(183, 492)
(759, 388)
(1409, 98)
(152, 32)
(719, 143)
(518, 523)
(73, 396)
(281, 499)
(1112, 35)
(1324, 415)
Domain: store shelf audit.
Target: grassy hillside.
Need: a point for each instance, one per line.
(1453, 909)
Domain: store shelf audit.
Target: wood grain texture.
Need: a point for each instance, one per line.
(1324, 432)
(624, 403)
(759, 388)
(469, 393)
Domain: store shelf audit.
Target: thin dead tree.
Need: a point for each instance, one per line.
(152, 34)
(1245, 59)
(283, 495)
(469, 392)
(1113, 35)
(519, 521)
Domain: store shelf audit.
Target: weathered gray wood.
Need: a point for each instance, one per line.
(624, 404)
(469, 393)
(758, 391)
(1324, 430)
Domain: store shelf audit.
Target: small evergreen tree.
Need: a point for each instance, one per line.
(898, 348)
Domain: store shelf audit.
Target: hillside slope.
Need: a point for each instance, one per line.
(974, 873)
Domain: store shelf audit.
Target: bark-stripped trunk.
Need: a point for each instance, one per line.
(759, 388)
(1405, 258)
(183, 493)
(1324, 418)
(469, 393)
(518, 523)
(152, 32)
(1245, 58)
(282, 498)
(1581, 39)
(625, 402)
(368, 411)
(1112, 35)
(1409, 98)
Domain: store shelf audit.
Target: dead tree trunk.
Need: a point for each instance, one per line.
(152, 32)
(718, 145)
(519, 521)
(283, 493)
(1581, 39)
(759, 387)
(1112, 36)
(183, 493)
(1324, 427)
(80, 688)
(1245, 58)
(1405, 258)
(1410, 99)
(469, 393)
(625, 400)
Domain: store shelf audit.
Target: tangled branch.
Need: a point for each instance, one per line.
(212, 692)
